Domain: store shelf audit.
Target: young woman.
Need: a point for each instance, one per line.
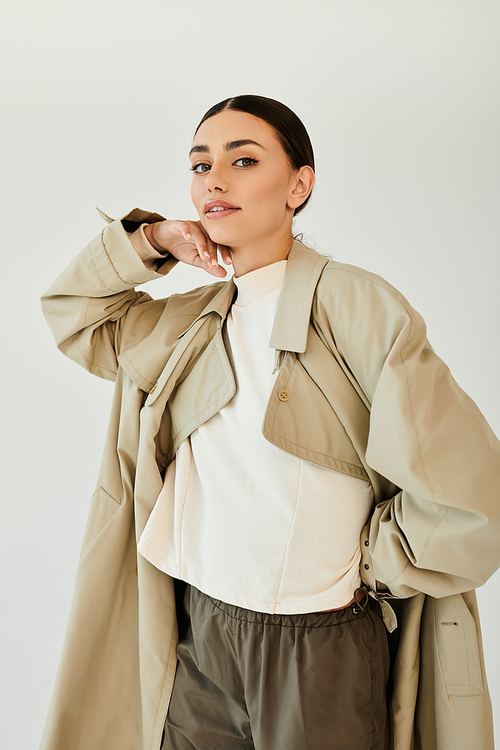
(296, 499)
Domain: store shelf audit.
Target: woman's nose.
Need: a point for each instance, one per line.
(216, 180)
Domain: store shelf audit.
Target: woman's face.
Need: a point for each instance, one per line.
(242, 180)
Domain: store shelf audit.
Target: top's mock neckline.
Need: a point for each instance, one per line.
(255, 284)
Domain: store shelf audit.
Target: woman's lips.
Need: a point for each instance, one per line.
(220, 212)
(218, 209)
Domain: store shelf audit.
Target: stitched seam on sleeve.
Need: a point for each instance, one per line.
(417, 435)
(94, 363)
(95, 264)
(436, 527)
(398, 575)
(134, 369)
(91, 361)
(113, 265)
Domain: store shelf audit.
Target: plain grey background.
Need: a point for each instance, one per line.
(100, 100)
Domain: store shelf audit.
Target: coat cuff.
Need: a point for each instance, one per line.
(117, 262)
(119, 265)
(134, 218)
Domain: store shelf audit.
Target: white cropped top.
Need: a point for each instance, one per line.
(242, 520)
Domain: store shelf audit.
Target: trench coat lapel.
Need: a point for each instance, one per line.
(151, 362)
(218, 307)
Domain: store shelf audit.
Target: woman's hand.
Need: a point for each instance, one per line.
(189, 243)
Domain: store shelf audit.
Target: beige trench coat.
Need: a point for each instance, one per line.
(349, 342)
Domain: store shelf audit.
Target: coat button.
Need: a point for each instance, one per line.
(283, 395)
(367, 543)
(367, 567)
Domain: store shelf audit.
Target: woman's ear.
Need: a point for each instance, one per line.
(301, 187)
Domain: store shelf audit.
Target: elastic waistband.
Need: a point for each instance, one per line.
(306, 620)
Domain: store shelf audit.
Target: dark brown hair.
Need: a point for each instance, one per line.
(289, 129)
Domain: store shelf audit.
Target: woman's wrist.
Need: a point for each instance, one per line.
(150, 234)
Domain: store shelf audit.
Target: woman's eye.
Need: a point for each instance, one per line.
(245, 161)
(200, 168)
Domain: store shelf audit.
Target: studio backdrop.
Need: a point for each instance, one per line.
(100, 100)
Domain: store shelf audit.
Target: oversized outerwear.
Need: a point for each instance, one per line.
(359, 391)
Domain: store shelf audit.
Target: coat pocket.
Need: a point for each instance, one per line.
(101, 511)
(457, 646)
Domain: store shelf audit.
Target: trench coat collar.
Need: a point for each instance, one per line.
(291, 323)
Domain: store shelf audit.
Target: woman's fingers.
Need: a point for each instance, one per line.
(189, 242)
(213, 248)
(213, 270)
(207, 250)
(225, 254)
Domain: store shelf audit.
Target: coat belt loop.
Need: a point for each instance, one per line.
(388, 614)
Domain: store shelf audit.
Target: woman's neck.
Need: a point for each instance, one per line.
(250, 257)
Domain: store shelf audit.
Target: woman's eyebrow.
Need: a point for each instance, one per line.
(204, 149)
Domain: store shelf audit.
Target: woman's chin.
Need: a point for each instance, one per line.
(221, 237)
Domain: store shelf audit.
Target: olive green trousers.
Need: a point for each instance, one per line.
(254, 681)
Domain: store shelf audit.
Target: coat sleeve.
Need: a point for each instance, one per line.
(93, 309)
(441, 533)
